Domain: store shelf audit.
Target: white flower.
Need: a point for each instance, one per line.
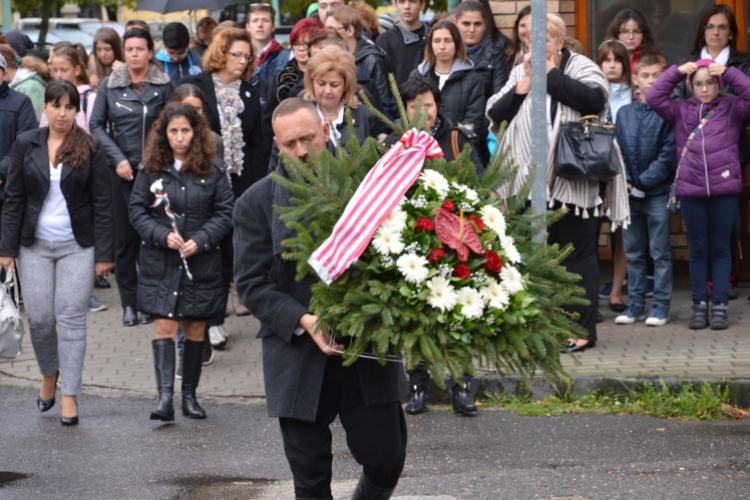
(512, 279)
(435, 180)
(509, 248)
(442, 294)
(495, 295)
(396, 220)
(471, 195)
(413, 267)
(157, 187)
(472, 302)
(493, 218)
(387, 242)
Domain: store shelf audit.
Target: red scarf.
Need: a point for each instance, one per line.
(275, 47)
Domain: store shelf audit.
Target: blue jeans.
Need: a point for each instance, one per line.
(709, 224)
(649, 228)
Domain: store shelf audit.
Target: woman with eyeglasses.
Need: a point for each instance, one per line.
(128, 102)
(631, 28)
(233, 110)
(291, 76)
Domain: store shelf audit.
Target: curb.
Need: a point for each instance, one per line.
(540, 387)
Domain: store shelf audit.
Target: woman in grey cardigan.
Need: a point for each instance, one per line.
(575, 87)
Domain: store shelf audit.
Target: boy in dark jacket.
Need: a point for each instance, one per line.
(272, 57)
(404, 44)
(176, 56)
(647, 143)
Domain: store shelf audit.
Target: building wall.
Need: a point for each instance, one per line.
(505, 13)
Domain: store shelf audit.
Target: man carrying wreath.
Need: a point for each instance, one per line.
(306, 384)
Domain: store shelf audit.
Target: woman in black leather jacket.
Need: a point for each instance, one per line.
(180, 161)
(128, 102)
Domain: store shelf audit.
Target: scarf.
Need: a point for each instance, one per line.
(723, 58)
(272, 47)
(584, 195)
(230, 107)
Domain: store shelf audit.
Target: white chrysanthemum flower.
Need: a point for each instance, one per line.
(396, 220)
(493, 218)
(471, 300)
(387, 242)
(471, 195)
(435, 180)
(442, 294)
(512, 280)
(413, 267)
(157, 187)
(509, 248)
(495, 295)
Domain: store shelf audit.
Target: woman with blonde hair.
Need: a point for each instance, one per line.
(331, 83)
(28, 75)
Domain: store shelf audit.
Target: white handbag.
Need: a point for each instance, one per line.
(11, 324)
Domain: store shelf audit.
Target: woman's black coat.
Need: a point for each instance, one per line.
(203, 206)
(255, 165)
(87, 191)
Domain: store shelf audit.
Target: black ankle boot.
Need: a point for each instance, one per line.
(366, 491)
(417, 402)
(192, 360)
(164, 369)
(462, 402)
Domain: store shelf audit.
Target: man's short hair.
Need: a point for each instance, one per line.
(411, 89)
(347, 16)
(262, 7)
(176, 36)
(647, 60)
(137, 23)
(290, 106)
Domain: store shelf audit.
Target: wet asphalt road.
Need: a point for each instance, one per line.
(117, 453)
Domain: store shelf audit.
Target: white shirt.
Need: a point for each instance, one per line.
(335, 134)
(54, 219)
(442, 78)
(178, 165)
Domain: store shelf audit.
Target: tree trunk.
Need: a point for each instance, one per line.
(46, 12)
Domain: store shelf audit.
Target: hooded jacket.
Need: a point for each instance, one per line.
(463, 99)
(489, 61)
(272, 60)
(404, 50)
(647, 145)
(122, 119)
(16, 116)
(192, 64)
(31, 84)
(711, 166)
(371, 62)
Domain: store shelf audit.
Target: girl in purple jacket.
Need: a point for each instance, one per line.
(709, 178)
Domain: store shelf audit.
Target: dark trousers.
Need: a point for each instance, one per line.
(709, 223)
(376, 436)
(419, 378)
(127, 242)
(584, 235)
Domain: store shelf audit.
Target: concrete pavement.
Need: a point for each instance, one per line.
(120, 357)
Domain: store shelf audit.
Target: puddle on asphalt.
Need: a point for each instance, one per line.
(221, 488)
(9, 477)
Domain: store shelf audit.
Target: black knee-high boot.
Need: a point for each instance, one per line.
(365, 490)
(192, 359)
(164, 369)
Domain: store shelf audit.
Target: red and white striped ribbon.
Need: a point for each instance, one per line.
(381, 190)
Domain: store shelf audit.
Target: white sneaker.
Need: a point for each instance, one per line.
(217, 335)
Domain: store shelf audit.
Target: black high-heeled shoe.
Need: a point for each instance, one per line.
(47, 404)
(70, 421)
(573, 347)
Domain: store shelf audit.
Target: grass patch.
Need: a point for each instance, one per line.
(686, 403)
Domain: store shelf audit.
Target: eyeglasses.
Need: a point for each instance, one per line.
(723, 28)
(633, 33)
(709, 84)
(301, 45)
(238, 56)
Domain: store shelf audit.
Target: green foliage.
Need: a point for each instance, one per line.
(380, 318)
(686, 403)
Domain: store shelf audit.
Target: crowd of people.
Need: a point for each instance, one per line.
(154, 162)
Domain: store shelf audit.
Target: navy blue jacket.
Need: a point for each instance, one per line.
(648, 146)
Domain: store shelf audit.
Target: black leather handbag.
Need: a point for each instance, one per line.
(585, 150)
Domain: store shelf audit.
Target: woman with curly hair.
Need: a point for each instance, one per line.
(181, 271)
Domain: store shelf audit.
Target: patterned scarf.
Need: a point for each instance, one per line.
(230, 107)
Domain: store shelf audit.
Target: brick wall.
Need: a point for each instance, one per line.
(505, 13)
(678, 237)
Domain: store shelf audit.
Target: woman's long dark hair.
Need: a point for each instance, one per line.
(489, 19)
(200, 156)
(515, 43)
(648, 44)
(78, 146)
(186, 90)
(700, 37)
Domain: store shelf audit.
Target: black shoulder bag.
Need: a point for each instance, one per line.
(585, 150)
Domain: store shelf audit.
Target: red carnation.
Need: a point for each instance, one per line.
(476, 220)
(494, 264)
(423, 223)
(461, 272)
(449, 206)
(436, 255)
